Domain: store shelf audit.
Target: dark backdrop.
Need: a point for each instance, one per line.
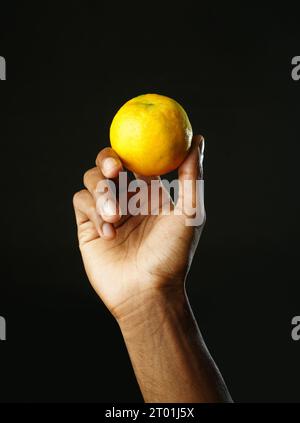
(68, 71)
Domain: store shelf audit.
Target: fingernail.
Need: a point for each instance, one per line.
(107, 230)
(109, 208)
(109, 163)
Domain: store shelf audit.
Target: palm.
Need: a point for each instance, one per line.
(148, 251)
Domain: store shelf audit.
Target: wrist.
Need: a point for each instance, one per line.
(147, 311)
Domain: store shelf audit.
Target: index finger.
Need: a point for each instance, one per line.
(109, 162)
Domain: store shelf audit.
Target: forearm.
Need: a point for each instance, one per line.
(168, 354)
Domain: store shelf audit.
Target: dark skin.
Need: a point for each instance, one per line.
(138, 267)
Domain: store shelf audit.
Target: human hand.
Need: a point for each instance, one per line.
(129, 259)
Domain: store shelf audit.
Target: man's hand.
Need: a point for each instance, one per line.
(138, 265)
(128, 258)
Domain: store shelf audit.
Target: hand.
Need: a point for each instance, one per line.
(138, 264)
(130, 258)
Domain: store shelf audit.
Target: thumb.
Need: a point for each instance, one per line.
(190, 202)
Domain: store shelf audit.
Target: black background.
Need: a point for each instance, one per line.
(68, 71)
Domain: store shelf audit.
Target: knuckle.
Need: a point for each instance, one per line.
(87, 175)
(77, 196)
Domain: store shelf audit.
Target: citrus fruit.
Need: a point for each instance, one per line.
(151, 134)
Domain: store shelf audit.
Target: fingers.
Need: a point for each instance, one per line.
(190, 174)
(102, 191)
(109, 163)
(97, 203)
(85, 211)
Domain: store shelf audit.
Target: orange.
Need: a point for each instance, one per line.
(151, 134)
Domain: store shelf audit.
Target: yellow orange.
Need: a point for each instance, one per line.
(152, 134)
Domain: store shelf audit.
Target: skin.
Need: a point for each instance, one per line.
(138, 267)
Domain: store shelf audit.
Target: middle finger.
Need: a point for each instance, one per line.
(105, 200)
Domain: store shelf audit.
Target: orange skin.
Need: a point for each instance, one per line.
(151, 134)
